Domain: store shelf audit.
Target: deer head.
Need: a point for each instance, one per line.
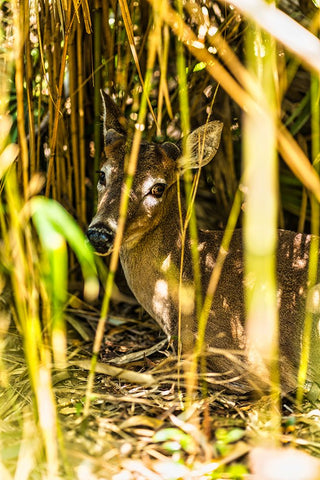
(154, 186)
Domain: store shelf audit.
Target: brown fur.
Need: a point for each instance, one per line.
(151, 254)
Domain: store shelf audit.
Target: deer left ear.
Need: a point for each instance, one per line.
(113, 118)
(202, 144)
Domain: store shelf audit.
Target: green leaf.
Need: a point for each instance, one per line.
(200, 66)
(174, 436)
(229, 436)
(54, 225)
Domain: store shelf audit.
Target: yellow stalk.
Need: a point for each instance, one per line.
(82, 146)
(19, 79)
(62, 63)
(74, 118)
(289, 149)
(314, 244)
(130, 172)
(261, 218)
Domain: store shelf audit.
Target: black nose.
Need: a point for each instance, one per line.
(101, 238)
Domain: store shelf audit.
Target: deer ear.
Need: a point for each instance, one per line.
(111, 136)
(202, 144)
(112, 117)
(172, 150)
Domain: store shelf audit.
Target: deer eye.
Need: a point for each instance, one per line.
(158, 189)
(102, 177)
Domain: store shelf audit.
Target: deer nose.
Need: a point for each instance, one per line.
(101, 238)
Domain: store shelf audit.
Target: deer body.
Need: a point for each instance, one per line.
(151, 255)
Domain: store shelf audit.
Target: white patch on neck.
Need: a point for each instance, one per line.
(161, 304)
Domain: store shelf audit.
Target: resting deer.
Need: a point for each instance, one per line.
(150, 256)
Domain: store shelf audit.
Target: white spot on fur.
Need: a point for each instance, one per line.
(166, 263)
(187, 299)
(112, 224)
(161, 304)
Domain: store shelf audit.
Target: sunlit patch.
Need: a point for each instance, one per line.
(161, 304)
(201, 246)
(187, 295)
(257, 362)
(166, 263)
(209, 262)
(105, 200)
(283, 463)
(84, 471)
(238, 331)
(313, 299)
(298, 261)
(249, 280)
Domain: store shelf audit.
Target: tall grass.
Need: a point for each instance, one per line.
(260, 178)
(169, 67)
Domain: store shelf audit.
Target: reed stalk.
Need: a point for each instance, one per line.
(287, 146)
(74, 127)
(260, 185)
(29, 87)
(97, 86)
(129, 176)
(82, 140)
(58, 103)
(310, 315)
(19, 80)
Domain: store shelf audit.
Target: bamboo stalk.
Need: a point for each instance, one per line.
(109, 34)
(81, 120)
(261, 220)
(50, 173)
(289, 149)
(130, 172)
(314, 244)
(97, 86)
(72, 56)
(129, 30)
(29, 88)
(19, 79)
(294, 36)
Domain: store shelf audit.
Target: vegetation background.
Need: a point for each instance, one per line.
(194, 60)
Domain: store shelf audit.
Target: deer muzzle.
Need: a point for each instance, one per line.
(101, 238)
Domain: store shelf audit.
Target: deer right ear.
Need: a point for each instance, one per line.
(113, 118)
(172, 150)
(202, 144)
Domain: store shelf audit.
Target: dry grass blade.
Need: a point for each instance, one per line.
(133, 357)
(50, 175)
(129, 29)
(292, 153)
(292, 35)
(86, 13)
(297, 161)
(139, 427)
(19, 80)
(126, 375)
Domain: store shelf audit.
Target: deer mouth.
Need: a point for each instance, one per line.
(101, 238)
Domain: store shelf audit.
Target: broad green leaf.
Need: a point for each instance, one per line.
(53, 224)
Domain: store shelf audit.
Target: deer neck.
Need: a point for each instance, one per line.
(152, 269)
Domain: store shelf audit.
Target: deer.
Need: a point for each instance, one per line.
(151, 255)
